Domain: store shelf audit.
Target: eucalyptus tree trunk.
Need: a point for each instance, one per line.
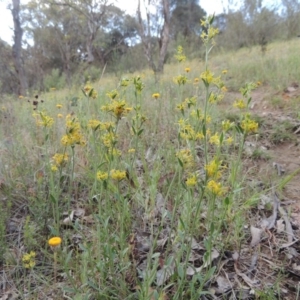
(17, 48)
(164, 37)
(145, 33)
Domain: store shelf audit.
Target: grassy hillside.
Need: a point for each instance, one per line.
(153, 187)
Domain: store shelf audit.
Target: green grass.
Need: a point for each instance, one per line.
(163, 227)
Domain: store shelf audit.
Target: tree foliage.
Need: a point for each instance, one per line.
(59, 42)
(186, 16)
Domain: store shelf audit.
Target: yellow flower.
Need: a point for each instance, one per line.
(196, 80)
(131, 150)
(117, 174)
(87, 88)
(249, 125)
(224, 72)
(28, 260)
(43, 120)
(101, 175)
(54, 168)
(224, 89)
(258, 83)
(60, 159)
(229, 140)
(94, 124)
(109, 139)
(215, 139)
(125, 82)
(21, 97)
(191, 181)
(240, 103)
(113, 94)
(207, 77)
(226, 125)
(52, 89)
(155, 95)
(180, 80)
(114, 152)
(54, 242)
(180, 57)
(60, 116)
(186, 158)
(187, 69)
(107, 126)
(94, 94)
(118, 108)
(181, 107)
(212, 169)
(58, 105)
(211, 33)
(215, 187)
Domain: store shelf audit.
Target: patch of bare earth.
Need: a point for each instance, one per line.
(274, 252)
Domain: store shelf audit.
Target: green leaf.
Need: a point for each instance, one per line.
(227, 200)
(52, 198)
(204, 130)
(180, 162)
(180, 271)
(133, 129)
(91, 92)
(221, 138)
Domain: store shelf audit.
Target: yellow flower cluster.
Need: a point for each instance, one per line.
(249, 125)
(60, 159)
(180, 79)
(58, 105)
(125, 82)
(226, 125)
(131, 150)
(187, 132)
(215, 98)
(28, 260)
(138, 84)
(212, 169)
(186, 158)
(215, 188)
(118, 108)
(114, 152)
(117, 174)
(207, 77)
(240, 103)
(180, 57)
(73, 136)
(109, 139)
(191, 180)
(89, 91)
(209, 34)
(94, 124)
(215, 139)
(114, 174)
(188, 102)
(43, 120)
(101, 175)
(187, 69)
(113, 94)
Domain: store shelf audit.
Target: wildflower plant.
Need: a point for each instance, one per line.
(195, 130)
